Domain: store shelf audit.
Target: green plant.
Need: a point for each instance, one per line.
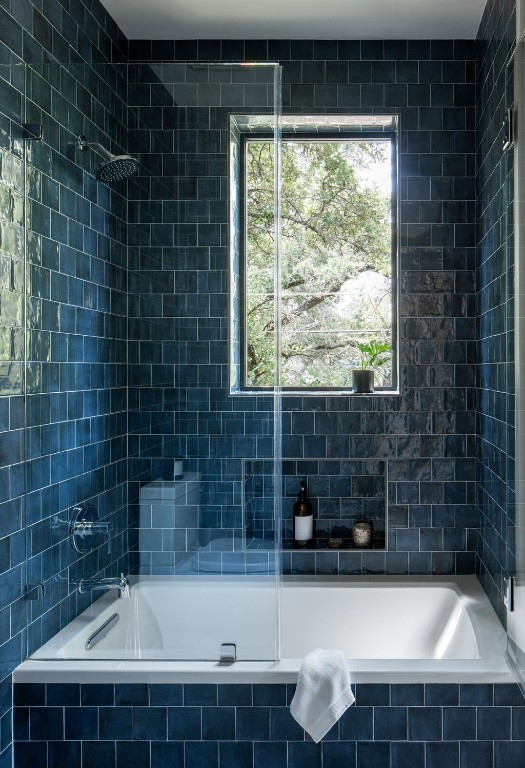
(373, 354)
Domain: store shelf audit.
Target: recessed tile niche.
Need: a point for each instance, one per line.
(341, 491)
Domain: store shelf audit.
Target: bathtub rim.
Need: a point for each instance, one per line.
(490, 670)
(492, 667)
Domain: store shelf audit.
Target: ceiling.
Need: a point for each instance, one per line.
(297, 19)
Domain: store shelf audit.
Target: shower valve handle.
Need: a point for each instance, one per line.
(84, 525)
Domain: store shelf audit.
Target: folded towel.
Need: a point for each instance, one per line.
(323, 692)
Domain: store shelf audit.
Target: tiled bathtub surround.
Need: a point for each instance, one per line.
(250, 726)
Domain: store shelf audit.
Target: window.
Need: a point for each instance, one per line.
(338, 264)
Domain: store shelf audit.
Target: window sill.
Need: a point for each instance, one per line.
(313, 393)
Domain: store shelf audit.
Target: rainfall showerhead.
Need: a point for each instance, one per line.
(116, 167)
(119, 167)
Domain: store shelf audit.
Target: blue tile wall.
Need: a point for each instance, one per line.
(495, 544)
(250, 726)
(69, 272)
(427, 435)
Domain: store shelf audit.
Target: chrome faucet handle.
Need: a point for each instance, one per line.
(85, 528)
(84, 525)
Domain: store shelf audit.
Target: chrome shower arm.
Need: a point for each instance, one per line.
(83, 144)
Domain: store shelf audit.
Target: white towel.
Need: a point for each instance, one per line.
(323, 692)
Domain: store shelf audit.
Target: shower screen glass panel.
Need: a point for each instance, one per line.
(131, 249)
(512, 581)
(12, 346)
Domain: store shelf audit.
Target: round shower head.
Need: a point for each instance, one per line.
(117, 168)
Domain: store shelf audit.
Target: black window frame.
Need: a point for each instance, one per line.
(332, 136)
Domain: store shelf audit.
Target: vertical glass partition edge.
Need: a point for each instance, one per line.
(515, 597)
(277, 405)
(12, 369)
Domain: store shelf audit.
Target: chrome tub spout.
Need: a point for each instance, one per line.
(113, 582)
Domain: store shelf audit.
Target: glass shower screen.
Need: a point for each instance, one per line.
(136, 238)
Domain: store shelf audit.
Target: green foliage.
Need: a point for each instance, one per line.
(374, 354)
(336, 259)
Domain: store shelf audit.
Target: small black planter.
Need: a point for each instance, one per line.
(363, 381)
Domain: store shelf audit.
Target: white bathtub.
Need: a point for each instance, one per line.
(395, 629)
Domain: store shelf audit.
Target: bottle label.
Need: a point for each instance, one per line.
(304, 528)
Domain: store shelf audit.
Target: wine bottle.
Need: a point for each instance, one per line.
(303, 519)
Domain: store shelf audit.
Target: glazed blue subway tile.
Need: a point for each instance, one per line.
(441, 694)
(218, 723)
(64, 753)
(62, 694)
(518, 723)
(133, 754)
(494, 722)
(81, 723)
(46, 723)
(97, 753)
(252, 723)
(408, 694)
(270, 753)
(373, 753)
(184, 723)
(269, 695)
(339, 753)
(168, 754)
(283, 726)
(200, 695)
(481, 694)
(390, 723)
(508, 694)
(425, 724)
(149, 723)
(304, 755)
(234, 753)
(201, 754)
(30, 694)
(236, 695)
(508, 753)
(407, 754)
(115, 723)
(459, 723)
(441, 754)
(478, 753)
(357, 724)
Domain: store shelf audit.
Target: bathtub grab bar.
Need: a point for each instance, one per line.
(101, 632)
